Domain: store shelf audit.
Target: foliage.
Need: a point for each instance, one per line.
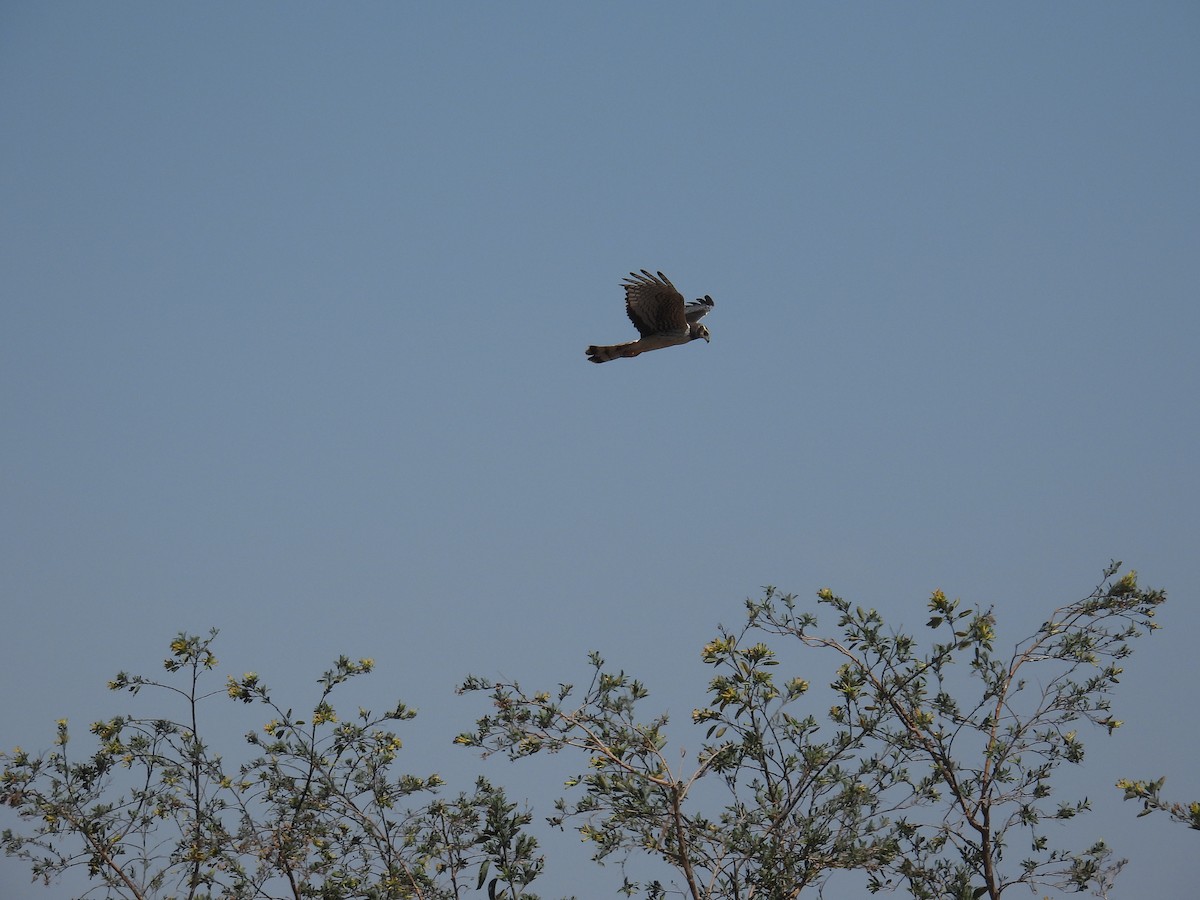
(797, 808)
(931, 769)
(153, 812)
(985, 743)
(1149, 793)
(923, 774)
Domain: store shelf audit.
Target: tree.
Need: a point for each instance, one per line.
(798, 807)
(988, 745)
(922, 775)
(316, 812)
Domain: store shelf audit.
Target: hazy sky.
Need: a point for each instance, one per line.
(294, 299)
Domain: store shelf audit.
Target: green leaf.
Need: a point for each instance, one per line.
(483, 871)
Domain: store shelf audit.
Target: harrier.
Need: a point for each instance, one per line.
(660, 315)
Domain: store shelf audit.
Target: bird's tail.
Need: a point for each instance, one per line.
(612, 351)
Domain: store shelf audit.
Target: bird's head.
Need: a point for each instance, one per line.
(699, 331)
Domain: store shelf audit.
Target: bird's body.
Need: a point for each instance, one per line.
(660, 315)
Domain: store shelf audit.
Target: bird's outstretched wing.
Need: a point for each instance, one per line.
(654, 305)
(696, 309)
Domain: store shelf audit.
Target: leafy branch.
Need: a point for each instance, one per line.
(1149, 793)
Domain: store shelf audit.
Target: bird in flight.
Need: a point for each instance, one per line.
(660, 315)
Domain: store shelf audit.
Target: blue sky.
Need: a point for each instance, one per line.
(295, 299)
